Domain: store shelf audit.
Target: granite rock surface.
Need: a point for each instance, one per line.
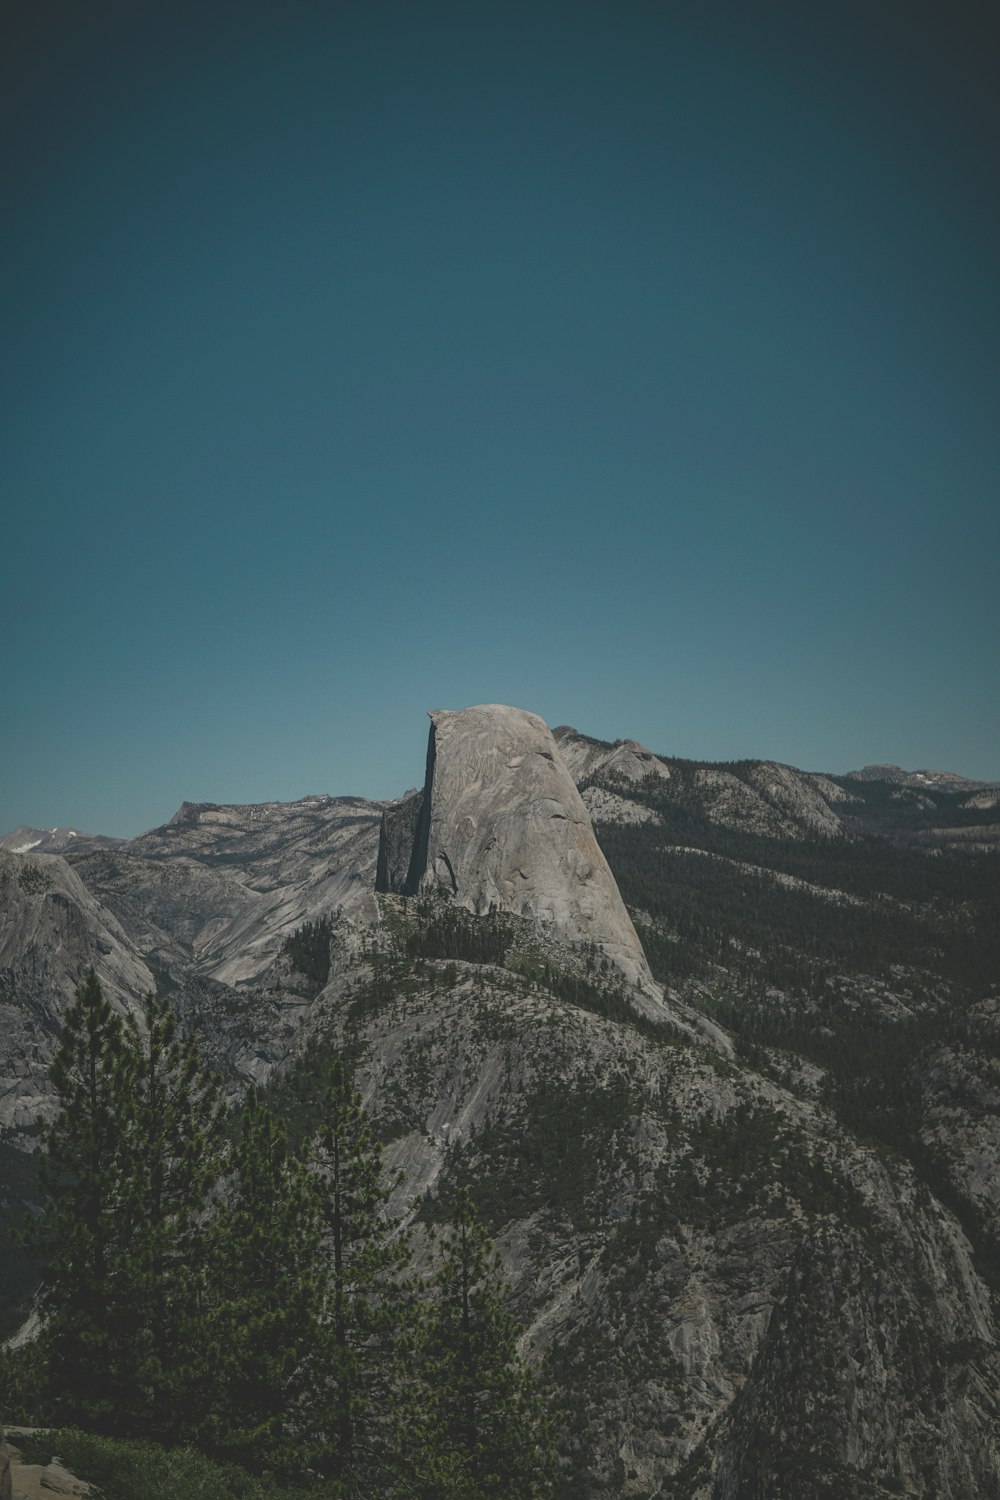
(503, 828)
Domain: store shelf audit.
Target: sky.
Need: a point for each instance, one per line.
(635, 363)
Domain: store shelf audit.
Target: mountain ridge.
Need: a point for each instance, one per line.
(584, 754)
(751, 1233)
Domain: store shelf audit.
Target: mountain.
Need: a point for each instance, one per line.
(25, 840)
(502, 828)
(219, 888)
(755, 796)
(714, 1048)
(947, 780)
(624, 783)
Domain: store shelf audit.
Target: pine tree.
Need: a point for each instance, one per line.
(262, 1327)
(363, 1293)
(81, 1233)
(474, 1427)
(127, 1165)
(175, 1160)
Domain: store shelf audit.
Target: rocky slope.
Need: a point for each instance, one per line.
(756, 1261)
(731, 1293)
(219, 888)
(52, 929)
(605, 774)
(26, 840)
(624, 782)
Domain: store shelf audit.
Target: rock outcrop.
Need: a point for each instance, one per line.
(619, 781)
(609, 774)
(26, 840)
(220, 887)
(737, 1299)
(766, 799)
(29, 1481)
(768, 1270)
(624, 761)
(502, 827)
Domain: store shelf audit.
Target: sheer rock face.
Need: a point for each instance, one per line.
(396, 844)
(503, 826)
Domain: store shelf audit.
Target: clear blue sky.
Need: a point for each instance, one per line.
(636, 363)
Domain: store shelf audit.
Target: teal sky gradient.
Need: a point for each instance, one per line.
(635, 363)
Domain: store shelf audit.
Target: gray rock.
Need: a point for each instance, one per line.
(52, 930)
(610, 807)
(739, 1297)
(622, 761)
(26, 840)
(681, 1291)
(504, 828)
(773, 800)
(220, 887)
(396, 844)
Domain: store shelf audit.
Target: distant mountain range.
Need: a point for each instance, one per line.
(48, 840)
(947, 780)
(591, 762)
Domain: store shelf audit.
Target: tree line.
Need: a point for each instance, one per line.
(207, 1284)
(715, 911)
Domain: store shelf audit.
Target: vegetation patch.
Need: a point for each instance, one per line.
(21, 1195)
(309, 950)
(562, 1153)
(752, 1159)
(124, 1470)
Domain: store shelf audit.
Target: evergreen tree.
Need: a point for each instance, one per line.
(174, 1162)
(363, 1294)
(262, 1330)
(127, 1166)
(474, 1427)
(83, 1232)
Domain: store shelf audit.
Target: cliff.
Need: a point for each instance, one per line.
(502, 828)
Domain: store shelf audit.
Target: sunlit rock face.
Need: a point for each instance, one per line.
(503, 827)
(624, 761)
(220, 887)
